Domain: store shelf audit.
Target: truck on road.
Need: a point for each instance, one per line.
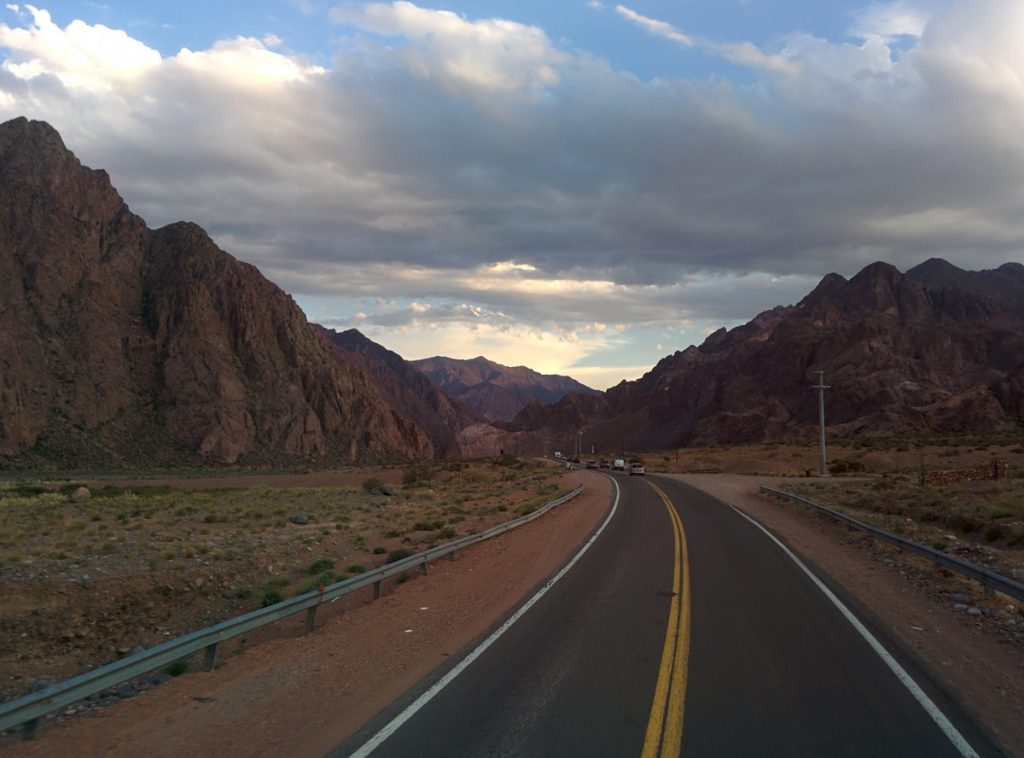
(619, 464)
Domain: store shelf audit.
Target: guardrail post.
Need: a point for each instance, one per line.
(211, 656)
(451, 555)
(311, 619)
(376, 589)
(423, 568)
(30, 729)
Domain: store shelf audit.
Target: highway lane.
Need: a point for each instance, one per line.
(775, 669)
(620, 657)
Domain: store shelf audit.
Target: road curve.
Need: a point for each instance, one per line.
(683, 627)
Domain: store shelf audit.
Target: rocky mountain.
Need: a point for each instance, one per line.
(125, 345)
(407, 390)
(935, 349)
(494, 391)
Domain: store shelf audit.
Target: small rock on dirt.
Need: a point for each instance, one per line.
(124, 691)
(300, 518)
(972, 611)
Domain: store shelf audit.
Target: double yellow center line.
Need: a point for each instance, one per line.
(665, 725)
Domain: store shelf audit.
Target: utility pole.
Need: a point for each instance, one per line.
(821, 387)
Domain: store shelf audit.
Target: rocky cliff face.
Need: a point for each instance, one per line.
(935, 349)
(408, 391)
(494, 391)
(123, 345)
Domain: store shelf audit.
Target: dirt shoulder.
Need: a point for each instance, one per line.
(978, 659)
(302, 695)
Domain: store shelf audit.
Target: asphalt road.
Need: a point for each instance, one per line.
(703, 637)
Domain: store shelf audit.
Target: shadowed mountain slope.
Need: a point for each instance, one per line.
(407, 390)
(121, 345)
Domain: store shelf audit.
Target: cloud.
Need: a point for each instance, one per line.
(654, 26)
(477, 167)
(887, 21)
(488, 55)
(740, 53)
(80, 55)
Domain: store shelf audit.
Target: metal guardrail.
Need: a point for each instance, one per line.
(987, 578)
(29, 708)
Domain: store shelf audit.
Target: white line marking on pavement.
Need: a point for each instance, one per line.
(915, 689)
(374, 742)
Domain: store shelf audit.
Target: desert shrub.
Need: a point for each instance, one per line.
(845, 466)
(356, 568)
(993, 533)
(271, 597)
(448, 532)
(965, 521)
(379, 550)
(371, 484)
(320, 565)
(399, 554)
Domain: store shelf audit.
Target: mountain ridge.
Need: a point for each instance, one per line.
(494, 391)
(900, 354)
(124, 345)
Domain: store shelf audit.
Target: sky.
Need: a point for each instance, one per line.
(578, 186)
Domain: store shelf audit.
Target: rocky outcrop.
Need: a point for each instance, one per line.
(120, 345)
(936, 349)
(496, 392)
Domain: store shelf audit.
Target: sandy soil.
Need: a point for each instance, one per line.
(301, 695)
(975, 659)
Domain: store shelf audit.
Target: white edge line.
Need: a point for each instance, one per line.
(374, 742)
(919, 694)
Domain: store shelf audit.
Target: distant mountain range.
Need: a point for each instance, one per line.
(496, 392)
(935, 349)
(126, 346)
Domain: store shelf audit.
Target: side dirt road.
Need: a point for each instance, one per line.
(302, 695)
(972, 645)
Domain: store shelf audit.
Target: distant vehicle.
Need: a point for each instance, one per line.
(619, 464)
(558, 454)
(636, 469)
(603, 464)
(591, 464)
